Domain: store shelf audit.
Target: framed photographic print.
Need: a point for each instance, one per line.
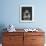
(26, 13)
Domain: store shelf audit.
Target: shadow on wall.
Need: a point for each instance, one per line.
(2, 26)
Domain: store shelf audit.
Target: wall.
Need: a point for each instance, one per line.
(10, 12)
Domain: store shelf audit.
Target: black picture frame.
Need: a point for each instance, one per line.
(26, 13)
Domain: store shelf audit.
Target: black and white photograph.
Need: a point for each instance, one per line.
(26, 13)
